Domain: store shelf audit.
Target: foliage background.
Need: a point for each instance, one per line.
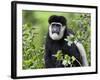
(35, 27)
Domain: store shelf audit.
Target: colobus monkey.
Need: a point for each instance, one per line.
(57, 32)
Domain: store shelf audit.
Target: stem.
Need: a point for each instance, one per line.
(70, 65)
(78, 62)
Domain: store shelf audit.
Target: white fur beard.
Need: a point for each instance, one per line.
(55, 36)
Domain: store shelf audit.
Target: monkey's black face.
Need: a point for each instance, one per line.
(56, 30)
(56, 27)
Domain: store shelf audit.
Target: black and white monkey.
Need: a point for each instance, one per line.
(57, 32)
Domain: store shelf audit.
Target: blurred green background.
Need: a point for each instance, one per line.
(35, 27)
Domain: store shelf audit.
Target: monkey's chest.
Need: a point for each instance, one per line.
(60, 47)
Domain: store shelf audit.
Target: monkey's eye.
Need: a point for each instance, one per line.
(57, 25)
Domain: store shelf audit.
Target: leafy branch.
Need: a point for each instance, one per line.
(66, 59)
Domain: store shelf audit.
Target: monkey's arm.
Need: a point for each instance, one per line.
(49, 61)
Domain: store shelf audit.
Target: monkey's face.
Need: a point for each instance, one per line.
(56, 30)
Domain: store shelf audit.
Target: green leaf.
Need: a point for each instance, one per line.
(59, 55)
(73, 59)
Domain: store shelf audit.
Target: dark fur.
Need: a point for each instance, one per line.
(52, 46)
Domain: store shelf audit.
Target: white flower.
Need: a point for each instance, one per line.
(71, 35)
(64, 63)
(66, 39)
(69, 43)
(69, 62)
(69, 39)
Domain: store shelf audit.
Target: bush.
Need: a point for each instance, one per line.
(35, 27)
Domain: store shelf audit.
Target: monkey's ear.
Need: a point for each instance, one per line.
(63, 20)
(52, 18)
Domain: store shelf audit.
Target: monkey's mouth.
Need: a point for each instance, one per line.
(55, 32)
